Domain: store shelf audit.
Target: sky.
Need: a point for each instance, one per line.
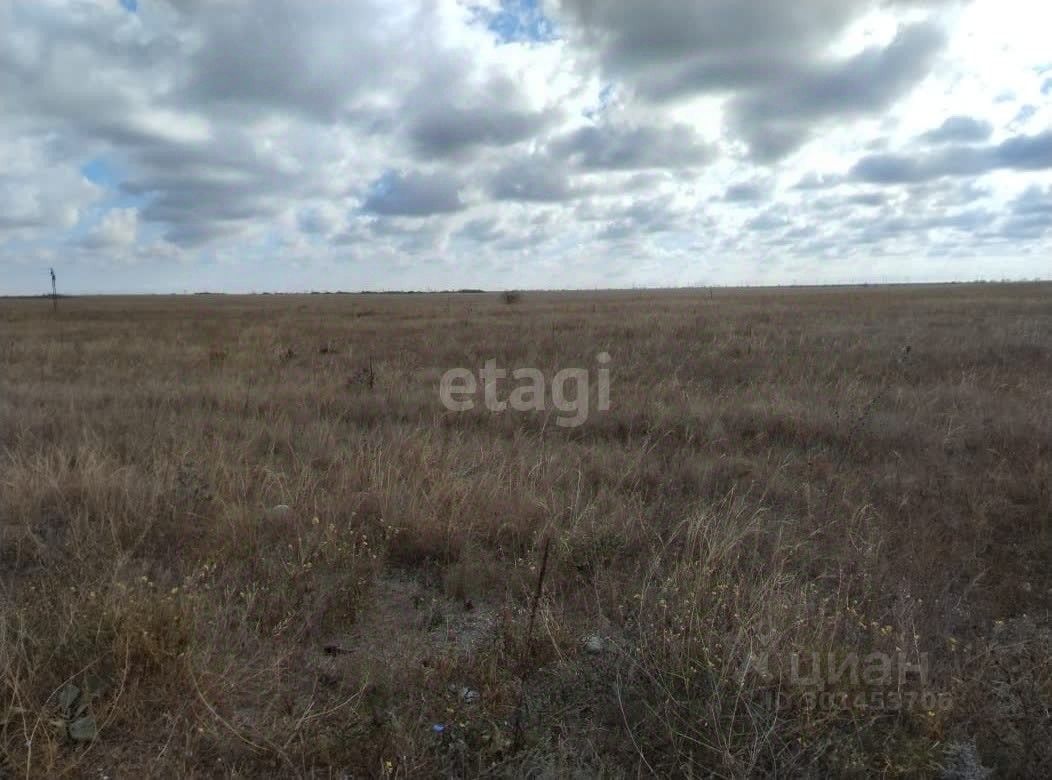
(285, 145)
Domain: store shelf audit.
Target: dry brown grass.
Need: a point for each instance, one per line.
(779, 474)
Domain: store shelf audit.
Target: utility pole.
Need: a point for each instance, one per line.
(54, 292)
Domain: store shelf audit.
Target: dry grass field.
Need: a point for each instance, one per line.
(242, 536)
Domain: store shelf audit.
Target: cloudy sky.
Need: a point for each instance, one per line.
(238, 145)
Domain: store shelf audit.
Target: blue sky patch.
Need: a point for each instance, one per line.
(105, 174)
(520, 20)
(100, 172)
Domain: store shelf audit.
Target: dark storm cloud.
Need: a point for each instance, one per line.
(446, 115)
(689, 46)
(1030, 215)
(779, 117)
(329, 61)
(1023, 153)
(45, 86)
(446, 132)
(959, 130)
(624, 147)
(203, 191)
(307, 57)
(870, 80)
(678, 46)
(766, 54)
(413, 195)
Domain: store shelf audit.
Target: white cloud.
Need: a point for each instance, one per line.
(118, 229)
(436, 144)
(42, 191)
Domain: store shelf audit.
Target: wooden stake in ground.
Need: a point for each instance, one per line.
(526, 665)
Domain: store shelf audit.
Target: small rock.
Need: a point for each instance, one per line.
(593, 645)
(278, 512)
